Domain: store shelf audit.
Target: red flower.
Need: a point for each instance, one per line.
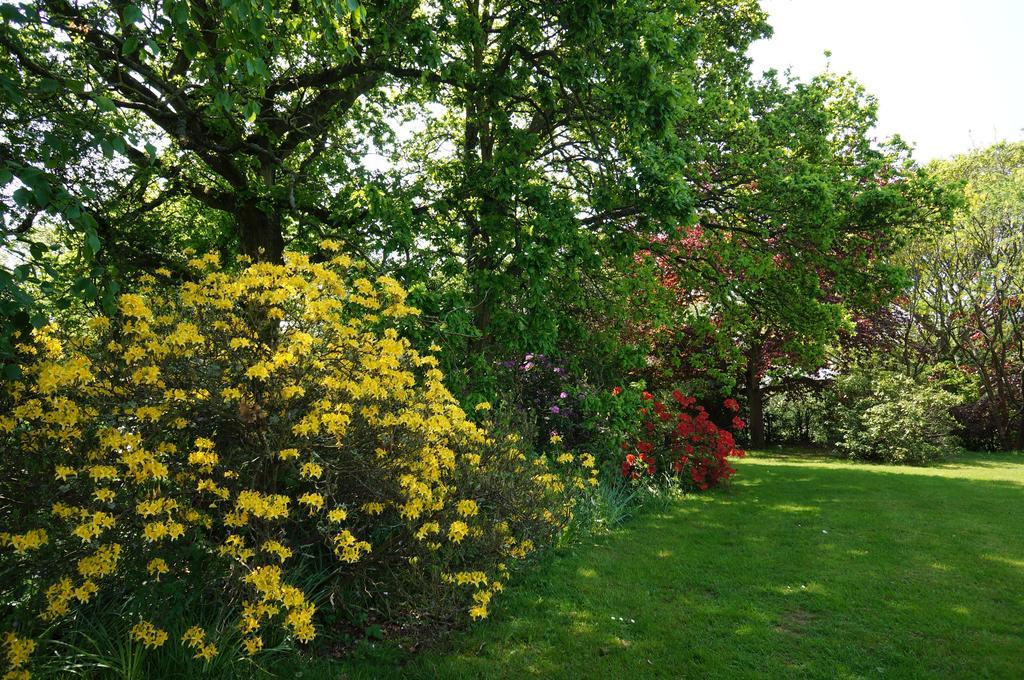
(732, 404)
(647, 396)
(616, 391)
(737, 423)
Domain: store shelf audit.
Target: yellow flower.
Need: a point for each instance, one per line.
(157, 567)
(272, 506)
(231, 393)
(206, 652)
(311, 471)
(147, 375)
(314, 500)
(149, 635)
(194, 636)
(258, 371)
(251, 645)
(84, 592)
(373, 508)
(277, 549)
(101, 563)
(457, 531)
(348, 548)
(483, 406)
(19, 649)
(292, 391)
(467, 508)
(23, 543)
(134, 306)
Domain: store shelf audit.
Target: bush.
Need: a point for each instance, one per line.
(547, 398)
(981, 420)
(683, 443)
(797, 416)
(215, 442)
(540, 398)
(885, 416)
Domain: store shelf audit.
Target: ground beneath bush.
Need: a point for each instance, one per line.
(806, 567)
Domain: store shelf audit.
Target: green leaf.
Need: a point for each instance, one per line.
(22, 271)
(23, 196)
(90, 292)
(251, 110)
(132, 14)
(11, 13)
(130, 45)
(48, 85)
(105, 103)
(92, 242)
(224, 100)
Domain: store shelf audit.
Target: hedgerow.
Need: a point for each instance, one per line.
(214, 435)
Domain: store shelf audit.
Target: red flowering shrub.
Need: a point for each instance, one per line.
(682, 442)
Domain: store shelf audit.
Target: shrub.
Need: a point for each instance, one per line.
(981, 419)
(547, 396)
(797, 415)
(885, 416)
(683, 443)
(212, 438)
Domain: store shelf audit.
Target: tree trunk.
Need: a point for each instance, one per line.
(1020, 415)
(260, 234)
(755, 398)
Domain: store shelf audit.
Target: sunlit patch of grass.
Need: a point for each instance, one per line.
(808, 566)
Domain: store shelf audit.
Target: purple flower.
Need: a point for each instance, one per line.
(563, 395)
(558, 370)
(555, 409)
(528, 365)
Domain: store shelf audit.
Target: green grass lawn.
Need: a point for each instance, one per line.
(806, 567)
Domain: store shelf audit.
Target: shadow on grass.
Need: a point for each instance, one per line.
(807, 571)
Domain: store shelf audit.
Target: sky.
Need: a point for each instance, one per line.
(948, 74)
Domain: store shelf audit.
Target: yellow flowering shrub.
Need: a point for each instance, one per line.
(215, 435)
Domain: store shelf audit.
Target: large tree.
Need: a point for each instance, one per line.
(551, 146)
(258, 111)
(799, 214)
(966, 300)
(547, 132)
